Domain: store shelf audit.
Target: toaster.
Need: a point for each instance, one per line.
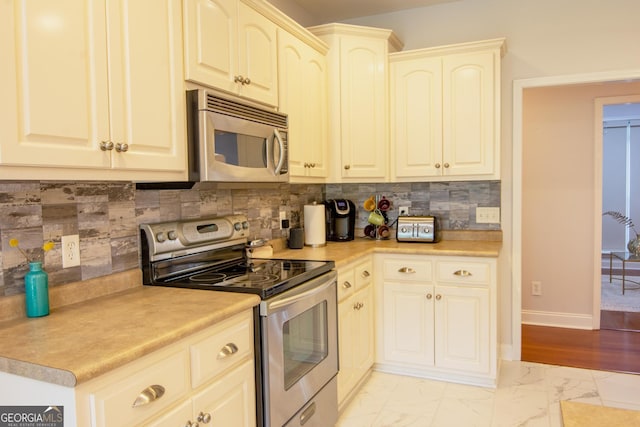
(417, 229)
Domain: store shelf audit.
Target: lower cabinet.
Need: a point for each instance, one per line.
(437, 317)
(355, 326)
(204, 379)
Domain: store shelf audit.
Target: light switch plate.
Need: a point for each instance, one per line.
(487, 215)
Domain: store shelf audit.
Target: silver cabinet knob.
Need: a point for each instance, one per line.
(347, 167)
(190, 424)
(365, 274)
(446, 165)
(238, 79)
(429, 296)
(106, 145)
(346, 285)
(246, 81)
(438, 297)
(122, 147)
(204, 418)
(437, 165)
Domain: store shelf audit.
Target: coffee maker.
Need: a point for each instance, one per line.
(340, 215)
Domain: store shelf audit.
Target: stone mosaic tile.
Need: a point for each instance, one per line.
(58, 193)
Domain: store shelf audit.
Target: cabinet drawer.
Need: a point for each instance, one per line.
(464, 272)
(112, 405)
(230, 343)
(346, 283)
(408, 270)
(364, 273)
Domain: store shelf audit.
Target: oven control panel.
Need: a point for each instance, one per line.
(173, 238)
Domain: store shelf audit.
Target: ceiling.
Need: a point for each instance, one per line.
(339, 10)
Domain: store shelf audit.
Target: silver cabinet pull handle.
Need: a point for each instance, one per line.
(106, 145)
(407, 270)
(148, 395)
(346, 285)
(227, 350)
(365, 274)
(463, 273)
(122, 147)
(204, 418)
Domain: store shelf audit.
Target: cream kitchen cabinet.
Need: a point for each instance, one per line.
(303, 97)
(438, 317)
(92, 90)
(358, 100)
(230, 46)
(355, 326)
(445, 112)
(208, 375)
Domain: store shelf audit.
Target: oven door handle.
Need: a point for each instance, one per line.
(279, 303)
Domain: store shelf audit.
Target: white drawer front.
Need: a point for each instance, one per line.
(409, 269)
(346, 283)
(231, 343)
(113, 404)
(364, 274)
(464, 272)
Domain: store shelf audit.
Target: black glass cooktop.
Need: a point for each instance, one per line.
(264, 277)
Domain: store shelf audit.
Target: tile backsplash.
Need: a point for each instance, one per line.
(106, 216)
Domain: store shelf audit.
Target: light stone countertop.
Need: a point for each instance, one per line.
(81, 341)
(345, 252)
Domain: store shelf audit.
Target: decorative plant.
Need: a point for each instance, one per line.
(14, 243)
(622, 219)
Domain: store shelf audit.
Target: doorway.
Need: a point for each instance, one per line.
(517, 289)
(620, 138)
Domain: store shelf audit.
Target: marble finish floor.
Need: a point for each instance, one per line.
(528, 394)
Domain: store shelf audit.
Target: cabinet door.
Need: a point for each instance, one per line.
(146, 85)
(462, 338)
(54, 107)
(416, 118)
(408, 324)
(302, 95)
(257, 55)
(363, 333)
(469, 131)
(210, 40)
(347, 344)
(231, 400)
(363, 106)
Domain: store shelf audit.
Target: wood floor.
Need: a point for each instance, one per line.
(620, 320)
(606, 350)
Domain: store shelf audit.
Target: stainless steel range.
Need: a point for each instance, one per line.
(296, 342)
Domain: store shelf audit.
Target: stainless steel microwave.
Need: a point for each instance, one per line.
(230, 141)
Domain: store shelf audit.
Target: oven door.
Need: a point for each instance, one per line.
(300, 345)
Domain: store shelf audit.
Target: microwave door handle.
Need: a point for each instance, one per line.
(277, 136)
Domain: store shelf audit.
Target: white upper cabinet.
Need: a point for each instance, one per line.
(303, 97)
(231, 47)
(358, 101)
(445, 112)
(92, 90)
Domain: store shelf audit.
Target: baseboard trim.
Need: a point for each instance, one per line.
(559, 320)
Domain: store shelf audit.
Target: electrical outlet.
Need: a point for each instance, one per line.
(284, 222)
(70, 251)
(536, 288)
(403, 210)
(487, 215)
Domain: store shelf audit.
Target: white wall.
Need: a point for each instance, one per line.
(544, 38)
